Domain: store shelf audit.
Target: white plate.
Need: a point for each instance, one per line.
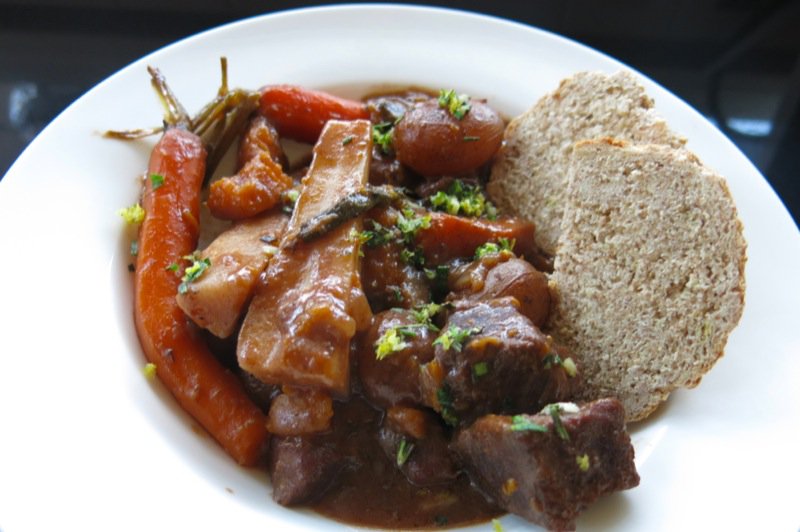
(86, 443)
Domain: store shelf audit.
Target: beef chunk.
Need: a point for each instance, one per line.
(549, 467)
(415, 442)
(303, 467)
(503, 364)
(500, 275)
(394, 379)
(389, 282)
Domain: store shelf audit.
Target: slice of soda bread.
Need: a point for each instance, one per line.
(529, 175)
(649, 272)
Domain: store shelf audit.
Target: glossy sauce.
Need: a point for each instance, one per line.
(374, 493)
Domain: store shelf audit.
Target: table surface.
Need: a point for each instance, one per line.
(737, 62)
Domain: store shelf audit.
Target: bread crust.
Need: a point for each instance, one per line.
(649, 273)
(529, 175)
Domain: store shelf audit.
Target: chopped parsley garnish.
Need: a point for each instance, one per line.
(377, 236)
(522, 423)
(583, 462)
(391, 341)
(192, 272)
(445, 399)
(490, 248)
(382, 135)
(463, 199)
(454, 337)
(134, 248)
(133, 214)
(569, 367)
(471, 138)
(479, 369)
(409, 224)
(555, 412)
(552, 359)
(496, 525)
(456, 104)
(425, 314)
(289, 199)
(403, 452)
(149, 370)
(156, 180)
(347, 140)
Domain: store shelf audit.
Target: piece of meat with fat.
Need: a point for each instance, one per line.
(499, 275)
(548, 471)
(217, 298)
(394, 379)
(502, 364)
(415, 442)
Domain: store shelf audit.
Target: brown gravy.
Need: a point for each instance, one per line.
(375, 493)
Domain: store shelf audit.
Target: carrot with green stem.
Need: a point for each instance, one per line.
(169, 233)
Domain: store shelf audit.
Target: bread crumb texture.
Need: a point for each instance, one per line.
(649, 270)
(529, 175)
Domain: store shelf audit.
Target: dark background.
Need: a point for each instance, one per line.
(738, 62)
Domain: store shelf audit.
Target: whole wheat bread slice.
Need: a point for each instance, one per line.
(649, 271)
(529, 175)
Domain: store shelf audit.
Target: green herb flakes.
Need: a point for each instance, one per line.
(456, 104)
(569, 367)
(555, 412)
(454, 337)
(347, 140)
(377, 236)
(523, 424)
(492, 248)
(192, 272)
(391, 341)
(403, 452)
(133, 214)
(382, 136)
(583, 462)
(149, 370)
(425, 314)
(464, 200)
(156, 180)
(496, 525)
(134, 247)
(553, 359)
(445, 399)
(479, 369)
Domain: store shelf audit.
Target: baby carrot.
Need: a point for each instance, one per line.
(202, 386)
(300, 113)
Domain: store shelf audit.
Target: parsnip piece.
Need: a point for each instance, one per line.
(298, 329)
(216, 300)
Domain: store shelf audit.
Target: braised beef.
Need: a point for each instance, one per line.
(415, 442)
(503, 364)
(550, 466)
(389, 282)
(394, 379)
(499, 275)
(303, 467)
